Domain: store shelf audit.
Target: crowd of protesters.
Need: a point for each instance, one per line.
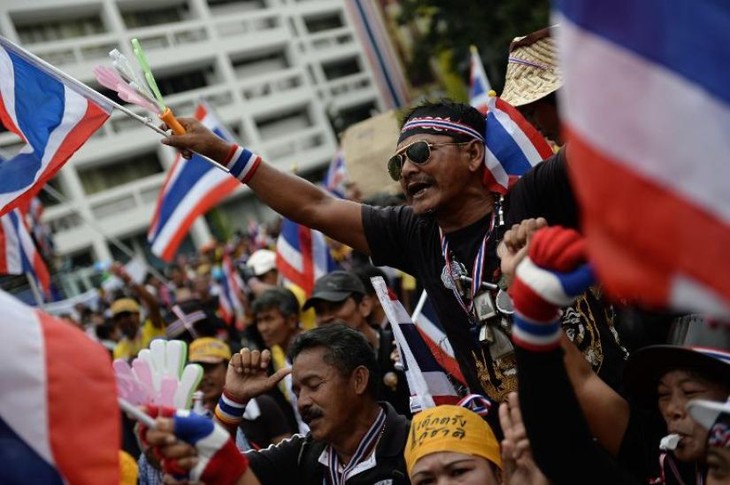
(310, 388)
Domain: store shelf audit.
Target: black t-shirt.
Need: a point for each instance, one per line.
(544, 191)
(399, 238)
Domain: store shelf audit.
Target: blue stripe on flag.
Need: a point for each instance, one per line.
(290, 232)
(193, 170)
(420, 350)
(503, 146)
(690, 38)
(39, 101)
(19, 463)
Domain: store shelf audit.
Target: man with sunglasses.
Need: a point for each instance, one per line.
(445, 235)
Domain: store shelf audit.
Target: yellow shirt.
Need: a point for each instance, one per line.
(127, 348)
(306, 318)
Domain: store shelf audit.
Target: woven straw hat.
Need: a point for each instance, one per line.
(532, 69)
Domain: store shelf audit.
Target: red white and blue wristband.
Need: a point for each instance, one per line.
(229, 411)
(242, 163)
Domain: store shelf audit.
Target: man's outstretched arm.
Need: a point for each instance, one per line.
(289, 195)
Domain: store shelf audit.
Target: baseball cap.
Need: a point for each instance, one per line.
(335, 286)
(209, 350)
(124, 305)
(262, 261)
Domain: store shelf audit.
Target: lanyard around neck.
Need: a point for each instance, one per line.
(477, 269)
(366, 444)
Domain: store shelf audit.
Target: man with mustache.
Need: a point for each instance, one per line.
(353, 438)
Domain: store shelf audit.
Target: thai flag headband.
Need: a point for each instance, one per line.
(438, 126)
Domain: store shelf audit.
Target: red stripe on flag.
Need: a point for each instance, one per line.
(7, 121)
(83, 414)
(3, 251)
(202, 206)
(92, 120)
(451, 366)
(640, 234)
(305, 246)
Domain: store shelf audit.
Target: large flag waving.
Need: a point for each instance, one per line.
(18, 253)
(479, 86)
(513, 146)
(59, 418)
(302, 255)
(427, 380)
(191, 188)
(647, 112)
(53, 116)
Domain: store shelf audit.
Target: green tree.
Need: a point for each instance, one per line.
(490, 25)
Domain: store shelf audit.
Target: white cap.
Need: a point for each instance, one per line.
(706, 412)
(262, 261)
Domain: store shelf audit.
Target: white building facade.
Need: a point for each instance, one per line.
(284, 75)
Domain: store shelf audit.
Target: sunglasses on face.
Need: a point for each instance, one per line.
(418, 152)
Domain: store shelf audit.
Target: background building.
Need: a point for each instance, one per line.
(285, 75)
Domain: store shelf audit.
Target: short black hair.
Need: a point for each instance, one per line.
(279, 298)
(347, 349)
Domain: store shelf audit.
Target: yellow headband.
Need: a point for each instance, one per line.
(450, 428)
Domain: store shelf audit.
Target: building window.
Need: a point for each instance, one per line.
(59, 26)
(327, 21)
(341, 68)
(186, 80)
(152, 14)
(122, 171)
(284, 123)
(236, 5)
(354, 114)
(258, 63)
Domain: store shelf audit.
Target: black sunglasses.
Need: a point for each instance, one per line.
(418, 152)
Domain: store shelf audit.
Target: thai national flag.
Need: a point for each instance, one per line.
(231, 308)
(59, 417)
(191, 188)
(479, 86)
(18, 252)
(427, 380)
(336, 177)
(513, 146)
(52, 116)
(647, 113)
(41, 232)
(302, 255)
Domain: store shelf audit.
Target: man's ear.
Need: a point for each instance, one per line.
(475, 152)
(292, 321)
(360, 379)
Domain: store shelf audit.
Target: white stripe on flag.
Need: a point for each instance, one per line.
(686, 292)
(665, 107)
(211, 179)
(289, 254)
(24, 403)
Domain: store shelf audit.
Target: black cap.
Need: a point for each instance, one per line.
(647, 365)
(335, 286)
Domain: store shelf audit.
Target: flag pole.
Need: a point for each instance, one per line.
(419, 307)
(114, 240)
(92, 93)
